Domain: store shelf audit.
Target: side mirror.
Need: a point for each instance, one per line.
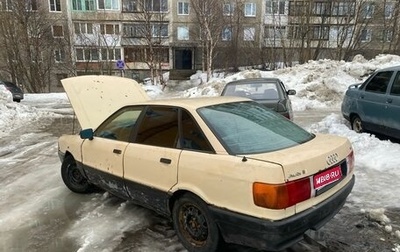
(86, 134)
(291, 92)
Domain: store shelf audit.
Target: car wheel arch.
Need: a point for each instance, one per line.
(180, 193)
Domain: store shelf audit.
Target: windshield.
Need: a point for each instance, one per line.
(249, 128)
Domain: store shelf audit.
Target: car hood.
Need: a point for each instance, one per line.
(306, 159)
(96, 97)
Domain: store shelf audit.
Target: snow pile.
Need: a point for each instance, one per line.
(5, 95)
(14, 115)
(319, 84)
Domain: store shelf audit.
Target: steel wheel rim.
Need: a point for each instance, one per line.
(194, 224)
(75, 176)
(357, 125)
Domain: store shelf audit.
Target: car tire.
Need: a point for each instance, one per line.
(73, 178)
(194, 225)
(356, 124)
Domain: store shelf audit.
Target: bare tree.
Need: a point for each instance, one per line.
(27, 44)
(148, 33)
(212, 25)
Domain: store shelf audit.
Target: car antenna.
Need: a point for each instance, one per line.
(244, 159)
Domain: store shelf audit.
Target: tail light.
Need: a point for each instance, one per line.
(280, 196)
(350, 162)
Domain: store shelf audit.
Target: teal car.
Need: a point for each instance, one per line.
(374, 106)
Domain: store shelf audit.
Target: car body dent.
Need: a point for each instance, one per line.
(95, 97)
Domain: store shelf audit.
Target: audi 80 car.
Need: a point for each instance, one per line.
(270, 92)
(374, 106)
(223, 169)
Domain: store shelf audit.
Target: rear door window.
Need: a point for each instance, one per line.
(159, 127)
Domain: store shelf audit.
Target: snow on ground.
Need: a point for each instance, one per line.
(319, 84)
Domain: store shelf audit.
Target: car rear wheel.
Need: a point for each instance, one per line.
(73, 177)
(356, 124)
(194, 225)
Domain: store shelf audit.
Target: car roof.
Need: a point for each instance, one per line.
(253, 80)
(194, 103)
(392, 68)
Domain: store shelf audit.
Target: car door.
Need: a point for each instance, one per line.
(103, 155)
(151, 162)
(372, 100)
(392, 118)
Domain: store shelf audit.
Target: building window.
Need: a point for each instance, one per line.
(108, 4)
(83, 28)
(183, 8)
(87, 54)
(275, 7)
(129, 5)
(59, 55)
(112, 29)
(275, 32)
(32, 5)
(83, 5)
(343, 8)
(55, 5)
(250, 10)
(249, 33)
(160, 53)
(183, 33)
(156, 5)
(136, 54)
(321, 8)
(368, 10)
(366, 35)
(134, 30)
(159, 30)
(110, 54)
(320, 32)
(387, 36)
(6, 5)
(58, 31)
(389, 9)
(228, 9)
(227, 34)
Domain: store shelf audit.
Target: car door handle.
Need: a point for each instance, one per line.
(165, 160)
(389, 100)
(116, 151)
(362, 96)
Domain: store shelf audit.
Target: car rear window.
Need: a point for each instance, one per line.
(255, 91)
(249, 128)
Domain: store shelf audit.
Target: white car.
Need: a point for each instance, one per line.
(223, 168)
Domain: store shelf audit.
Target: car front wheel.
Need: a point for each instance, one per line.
(194, 225)
(356, 124)
(73, 177)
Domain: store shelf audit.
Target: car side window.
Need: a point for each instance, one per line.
(395, 90)
(379, 83)
(192, 136)
(120, 125)
(159, 127)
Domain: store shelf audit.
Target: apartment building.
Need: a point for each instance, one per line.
(142, 38)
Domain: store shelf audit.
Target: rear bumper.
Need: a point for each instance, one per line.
(278, 235)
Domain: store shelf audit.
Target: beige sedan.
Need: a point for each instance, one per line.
(224, 169)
